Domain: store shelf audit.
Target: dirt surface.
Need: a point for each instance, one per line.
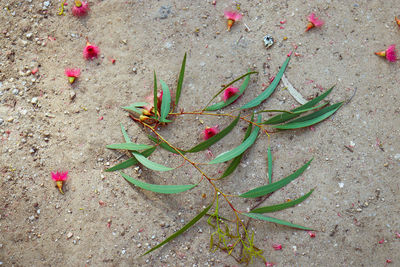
(47, 125)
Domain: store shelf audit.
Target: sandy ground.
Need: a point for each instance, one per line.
(47, 125)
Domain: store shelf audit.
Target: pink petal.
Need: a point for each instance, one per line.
(232, 15)
(229, 92)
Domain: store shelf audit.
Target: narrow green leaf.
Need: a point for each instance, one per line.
(285, 117)
(125, 134)
(282, 206)
(228, 155)
(181, 231)
(269, 155)
(291, 112)
(226, 86)
(150, 164)
(310, 119)
(133, 107)
(236, 161)
(271, 88)
(164, 145)
(163, 189)
(180, 81)
(155, 96)
(223, 104)
(166, 101)
(128, 146)
(274, 220)
(212, 140)
(266, 189)
(131, 161)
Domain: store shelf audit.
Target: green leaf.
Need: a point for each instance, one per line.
(128, 146)
(150, 164)
(223, 104)
(164, 145)
(228, 155)
(155, 96)
(271, 88)
(133, 107)
(180, 81)
(269, 155)
(163, 189)
(212, 140)
(274, 220)
(166, 101)
(226, 86)
(236, 161)
(285, 117)
(125, 134)
(310, 119)
(181, 231)
(266, 189)
(282, 206)
(131, 161)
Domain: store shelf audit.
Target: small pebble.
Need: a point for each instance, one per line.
(15, 91)
(72, 95)
(10, 119)
(69, 235)
(1, 121)
(34, 100)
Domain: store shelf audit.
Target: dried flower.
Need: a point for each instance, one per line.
(381, 241)
(210, 132)
(313, 21)
(90, 51)
(232, 16)
(72, 74)
(397, 21)
(229, 92)
(277, 246)
(59, 178)
(80, 8)
(150, 101)
(390, 53)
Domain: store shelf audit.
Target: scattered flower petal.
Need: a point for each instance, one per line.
(72, 74)
(397, 234)
(59, 178)
(232, 16)
(150, 101)
(381, 241)
(210, 132)
(90, 51)
(390, 53)
(80, 8)
(388, 261)
(277, 246)
(269, 264)
(313, 21)
(397, 21)
(311, 233)
(229, 92)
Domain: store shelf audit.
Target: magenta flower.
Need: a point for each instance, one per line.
(229, 92)
(72, 74)
(232, 16)
(313, 21)
(210, 132)
(390, 53)
(59, 178)
(80, 8)
(90, 51)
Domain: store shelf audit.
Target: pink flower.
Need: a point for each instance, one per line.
(313, 21)
(390, 53)
(232, 16)
(59, 178)
(72, 74)
(229, 92)
(150, 101)
(277, 246)
(90, 51)
(80, 8)
(210, 132)
(269, 264)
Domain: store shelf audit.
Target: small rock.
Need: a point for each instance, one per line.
(134, 70)
(72, 95)
(31, 218)
(15, 91)
(69, 235)
(164, 11)
(123, 252)
(10, 119)
(1, 121)
(29, 35)
(34, 100)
